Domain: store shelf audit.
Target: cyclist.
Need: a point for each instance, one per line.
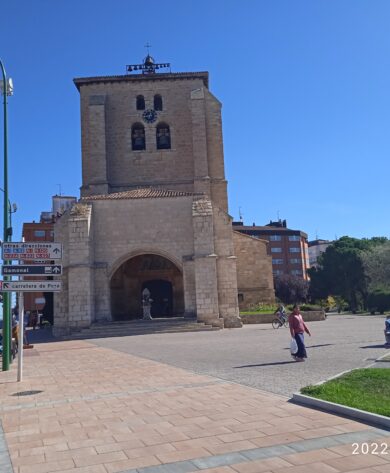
(280, 312)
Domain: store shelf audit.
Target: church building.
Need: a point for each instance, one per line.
(153, 211)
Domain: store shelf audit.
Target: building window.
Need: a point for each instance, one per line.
(296, 272)
(277, 261)
(158, 105)
(294, 238)
(52, 233)
(275, 238)
(276, 250)
(295, 261)
(163, 136)
(137, 137)
(294, 250)
(140, 102)
(240, 297)
(39, 233)
(277, 272)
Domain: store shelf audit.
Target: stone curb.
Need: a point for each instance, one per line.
(334, 408)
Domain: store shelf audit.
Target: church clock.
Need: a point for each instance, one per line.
(149, 116)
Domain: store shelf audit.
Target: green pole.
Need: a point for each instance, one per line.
(6, 298)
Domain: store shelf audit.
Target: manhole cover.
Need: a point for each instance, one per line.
(26, 393)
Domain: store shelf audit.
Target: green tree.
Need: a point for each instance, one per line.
(341, 271)
(291, 289)
(376, 262)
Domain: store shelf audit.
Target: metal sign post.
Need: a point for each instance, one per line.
(43, 252)
(21, 337)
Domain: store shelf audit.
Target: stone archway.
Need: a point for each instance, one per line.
(160, 275)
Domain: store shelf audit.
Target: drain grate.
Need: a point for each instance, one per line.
(26, 393)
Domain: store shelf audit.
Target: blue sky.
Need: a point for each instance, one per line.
(304, 86)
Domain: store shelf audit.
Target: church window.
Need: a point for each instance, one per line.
(140, 102)
(158, 105)
(137, 137)
(163, 136)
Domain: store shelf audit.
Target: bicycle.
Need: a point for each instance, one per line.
(280, 321)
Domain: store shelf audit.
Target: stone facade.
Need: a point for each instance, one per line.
(151, 217)
(254, 271)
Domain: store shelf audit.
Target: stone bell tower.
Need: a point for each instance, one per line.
(151, 130)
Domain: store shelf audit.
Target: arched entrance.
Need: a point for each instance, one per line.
(157, 273)
(162, 292)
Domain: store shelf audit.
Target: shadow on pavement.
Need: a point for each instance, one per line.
(376, 346)
(266, 364)
(316, 346)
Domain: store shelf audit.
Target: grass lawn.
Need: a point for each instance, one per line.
(366, 389)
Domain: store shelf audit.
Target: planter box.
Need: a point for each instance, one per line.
(308, 316)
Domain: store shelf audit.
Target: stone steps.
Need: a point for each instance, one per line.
(140, 327)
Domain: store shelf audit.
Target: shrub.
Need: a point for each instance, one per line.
(307, 307)
(263, 308)
(304, 307)
(378, 301)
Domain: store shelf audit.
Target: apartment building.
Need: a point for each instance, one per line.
(288, 248)
(316, 247)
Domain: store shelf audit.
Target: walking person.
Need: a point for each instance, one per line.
(297, 330)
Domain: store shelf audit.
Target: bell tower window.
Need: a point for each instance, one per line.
(163, 136)
(140, 102)
(137, 137)
(158, 105)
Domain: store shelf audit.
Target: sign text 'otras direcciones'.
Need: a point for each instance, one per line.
(30, 251)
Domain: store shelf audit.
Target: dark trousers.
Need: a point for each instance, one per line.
(301, 353)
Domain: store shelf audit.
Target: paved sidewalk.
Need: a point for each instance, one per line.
(100, 411)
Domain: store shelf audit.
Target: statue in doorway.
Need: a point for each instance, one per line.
(146, 304)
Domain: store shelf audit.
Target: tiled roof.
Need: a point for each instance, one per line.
(148, 193)
(204, 75)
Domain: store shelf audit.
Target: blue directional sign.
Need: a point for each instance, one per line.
(31, 251)
(30, 286)
(23, 269)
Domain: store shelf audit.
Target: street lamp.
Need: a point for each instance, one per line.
(6, 90)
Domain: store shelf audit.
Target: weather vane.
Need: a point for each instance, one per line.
(148, 66)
